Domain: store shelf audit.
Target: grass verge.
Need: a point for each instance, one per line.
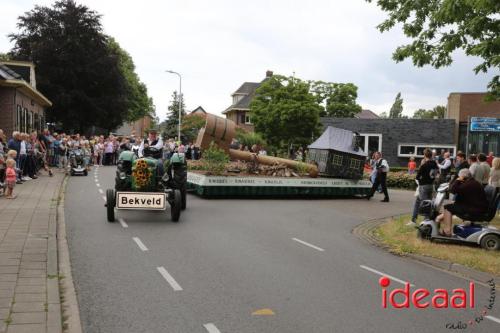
(402, 240)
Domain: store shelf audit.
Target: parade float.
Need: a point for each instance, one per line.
(334, 167)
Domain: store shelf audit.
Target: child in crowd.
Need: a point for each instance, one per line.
(13, 155)
(2, 174)
(412, 166)
(10, 178)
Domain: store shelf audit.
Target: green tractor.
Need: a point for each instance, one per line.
(140, 185)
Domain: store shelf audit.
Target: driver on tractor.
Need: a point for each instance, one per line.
(156, 143)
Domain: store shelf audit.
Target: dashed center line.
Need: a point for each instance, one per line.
(123, 223)
(211, 328)
(308, 244)
(169, 278)
(98, 185)
(493, 319)
(140, 244)
(384, 274)
(101, 191)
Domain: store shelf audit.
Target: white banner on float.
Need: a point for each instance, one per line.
(202, 180)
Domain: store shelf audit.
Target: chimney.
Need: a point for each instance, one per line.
(269, 74)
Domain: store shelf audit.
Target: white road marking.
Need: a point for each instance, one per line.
(308, 244)
(140, 244)
(211, 328)
(493, 319)
(101, 191)
(384, 274)
(123, 223)
(98, 185)
(169, 278)
(103, 198)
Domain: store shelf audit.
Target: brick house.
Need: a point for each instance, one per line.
(22, 106)
(462, 107)
(239, 111)
(199, 111)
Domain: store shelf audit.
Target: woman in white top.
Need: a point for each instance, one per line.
(495, 173)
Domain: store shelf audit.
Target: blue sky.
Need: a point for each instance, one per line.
(216, 45)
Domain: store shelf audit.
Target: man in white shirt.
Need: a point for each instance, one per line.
(382, 168)
(151, 141)
(444, 168)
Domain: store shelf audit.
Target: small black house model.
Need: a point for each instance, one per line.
(337, 154)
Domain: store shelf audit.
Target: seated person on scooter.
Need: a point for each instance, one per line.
(470, 199)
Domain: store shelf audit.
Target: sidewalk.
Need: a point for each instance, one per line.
(29, 281)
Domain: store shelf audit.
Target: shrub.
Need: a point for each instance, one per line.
(250, 138)
(402, 180)
(214, 160)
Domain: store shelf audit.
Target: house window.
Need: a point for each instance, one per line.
(370, 142)
(248, 121)
(337, 160)
(19, 112)
(37, 123)
(417, 150)
(355, 164)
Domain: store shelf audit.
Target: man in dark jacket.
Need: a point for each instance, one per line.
(470, 199)
(425, 177)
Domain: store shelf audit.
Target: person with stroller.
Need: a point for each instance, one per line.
(470, 199)
(425, 177)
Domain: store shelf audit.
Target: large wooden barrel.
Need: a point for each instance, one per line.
(217, 129)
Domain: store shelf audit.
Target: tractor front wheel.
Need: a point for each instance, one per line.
(110, 204)
(175, 206)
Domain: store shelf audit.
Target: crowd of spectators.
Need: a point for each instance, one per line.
(36, 151)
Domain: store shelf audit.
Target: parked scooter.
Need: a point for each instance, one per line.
(475, 231)
(76, 162)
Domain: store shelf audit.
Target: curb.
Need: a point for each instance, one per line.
(54, 322)
(365, 231)
(69, 306)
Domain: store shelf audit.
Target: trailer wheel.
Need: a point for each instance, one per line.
(490, 242)
(110, 204)
(176, 205)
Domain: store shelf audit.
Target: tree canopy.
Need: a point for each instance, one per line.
(397, 107)
(191, 125)
(284, 111)
(440, 27)
(139, 104)
(171, 124)
(80, 69)
(338, 99)
(437, 112)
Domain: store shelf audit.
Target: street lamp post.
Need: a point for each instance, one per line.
(180, 101)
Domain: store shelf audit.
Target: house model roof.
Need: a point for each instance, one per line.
(337, 139)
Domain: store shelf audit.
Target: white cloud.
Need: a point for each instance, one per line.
(216, 45)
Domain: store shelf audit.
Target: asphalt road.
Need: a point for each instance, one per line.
(245, 266)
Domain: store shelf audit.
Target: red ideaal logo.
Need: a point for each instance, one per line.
(439, 299)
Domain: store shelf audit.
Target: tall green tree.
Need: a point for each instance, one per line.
(284, 111)
(170, 125)
(437, 112)
(75, 68)
(139, 104)
(437, 28)
(397, 107)
(191, 125)
(338, 99)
